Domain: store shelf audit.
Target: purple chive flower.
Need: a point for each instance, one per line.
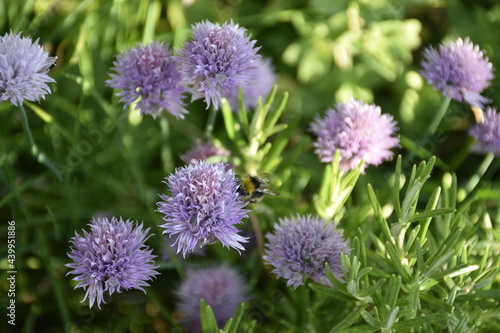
(217, 58)
(203, 208)
(150, 75)
(459, 70)
(359, 130)
(260, 87)
(222, 288)
(202, 151)
(110, 257)
(487, 133)
(23, 69)
(302, 245)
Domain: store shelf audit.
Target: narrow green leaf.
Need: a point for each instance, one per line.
(396, 261)
(208, 322)
(438, 261)
(392, 291)
(350, 319)
(227, 115)
(420, 321)
(357, 329)
(392, 317)
(233, 323)
(413, 300)
(378, 214)
(370, 319)
(430, 214)
(371, 289)
(277, 112)
(395, 190)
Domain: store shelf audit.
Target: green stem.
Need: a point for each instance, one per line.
(35, 151)
(437, 120)
(166, 150)
(210, 122)
(474, 180)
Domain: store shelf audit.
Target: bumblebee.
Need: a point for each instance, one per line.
(253, 188)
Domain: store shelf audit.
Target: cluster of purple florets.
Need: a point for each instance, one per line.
(204, 205)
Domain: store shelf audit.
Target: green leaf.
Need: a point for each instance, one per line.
(227, 115)
(350, 319)
(358, 329)
(378, 214)
(371, 289)
(392, 291)
(370, 319)
(395, 190)
(430, 214)
(420, 321)
(233, 323)
(413, 300)
(208, 322)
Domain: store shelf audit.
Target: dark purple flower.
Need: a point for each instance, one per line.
(487, 133)
(203, 208)
(459, 70)
(23, 69)
(302, 245)
(222, 288)
(149, 75)
(110, 257)
(202, 151)
(261, 86)
(359, 131)
(216, 59)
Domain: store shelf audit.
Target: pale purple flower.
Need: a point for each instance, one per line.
(459, 70)
(110, 257)
(203, 207)
(216, 59)
(222, 288)
(150, 76)
(359, 131)
(202, 151)
(301, 245)
(487, 133)
(23, 69)
(261, 86)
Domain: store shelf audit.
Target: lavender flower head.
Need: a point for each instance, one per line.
(260, 87)
(202, 151)
(110, 257)
(487, 133)
(222, 288)
(218, 58)
(23, 69)
(459, 70)
(359, 131)
(302, 245)
(150, 75)
(203, 208)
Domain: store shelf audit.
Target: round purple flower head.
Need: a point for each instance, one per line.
(202, 151)
(359, 130)
(23, 69)
(459, 70)
(222, 288)
(216, 59)
(302, 245)
(260, 87)
(203, 208)
(150, 75)
(487, 133)
(110, 257)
